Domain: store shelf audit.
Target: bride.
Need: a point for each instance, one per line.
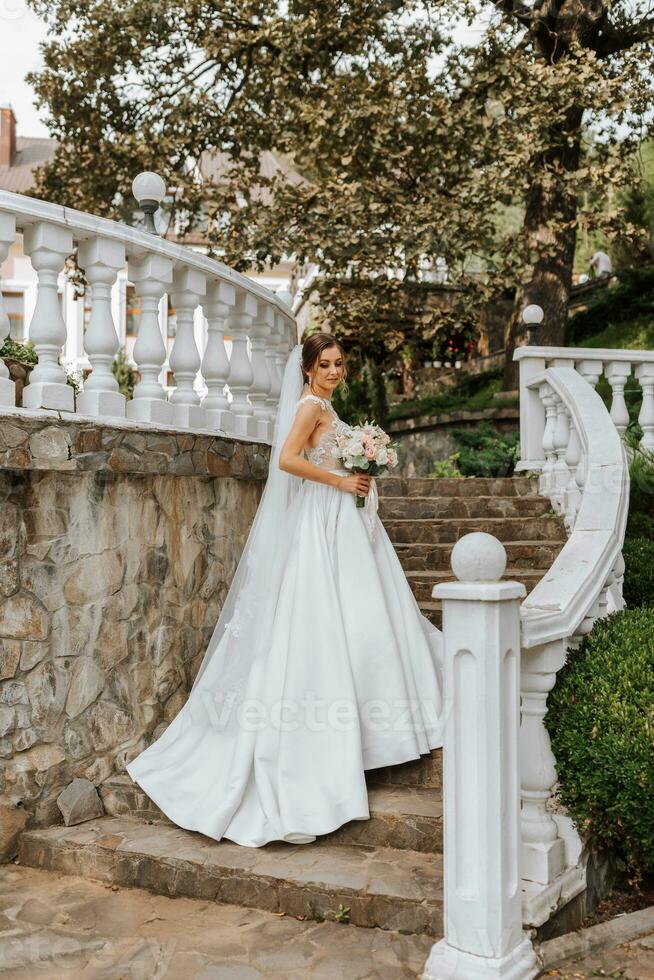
(321, 664)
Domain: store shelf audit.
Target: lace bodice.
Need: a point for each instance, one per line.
(320, 455)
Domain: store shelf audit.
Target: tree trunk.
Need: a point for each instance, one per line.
(549, 226)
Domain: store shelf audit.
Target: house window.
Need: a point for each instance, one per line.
(132, 312)
(14, 304)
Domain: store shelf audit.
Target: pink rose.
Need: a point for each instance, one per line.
(369, 452)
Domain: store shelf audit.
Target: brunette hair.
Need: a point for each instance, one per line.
(313, 347)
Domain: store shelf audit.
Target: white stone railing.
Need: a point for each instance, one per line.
(231, 303)
(574, 443)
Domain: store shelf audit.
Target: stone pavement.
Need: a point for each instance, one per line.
(632, 960)
(60, 927)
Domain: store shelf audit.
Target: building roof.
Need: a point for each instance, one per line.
(30, 153)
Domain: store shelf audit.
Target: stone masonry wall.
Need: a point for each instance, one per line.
(117, 547)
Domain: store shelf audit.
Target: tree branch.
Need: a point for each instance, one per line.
(614, 39)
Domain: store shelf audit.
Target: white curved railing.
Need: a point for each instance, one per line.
(570, 438)
(231, 303)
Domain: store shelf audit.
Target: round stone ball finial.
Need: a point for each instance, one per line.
(478, 557)
(533, 313)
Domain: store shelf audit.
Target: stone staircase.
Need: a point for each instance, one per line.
(387, 871)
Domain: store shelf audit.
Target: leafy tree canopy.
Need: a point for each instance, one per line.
(408, 145)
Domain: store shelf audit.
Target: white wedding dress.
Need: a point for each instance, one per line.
(348, 678)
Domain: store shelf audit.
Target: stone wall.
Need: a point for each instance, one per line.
(425, 440)
(117, 546)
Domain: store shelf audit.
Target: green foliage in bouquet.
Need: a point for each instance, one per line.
(601, 722)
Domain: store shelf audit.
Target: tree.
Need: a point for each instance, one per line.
(406, 144)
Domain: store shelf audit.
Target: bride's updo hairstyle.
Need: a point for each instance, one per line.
(312, 349)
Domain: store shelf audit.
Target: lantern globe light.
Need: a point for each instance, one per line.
(148, 186)
(533, 313)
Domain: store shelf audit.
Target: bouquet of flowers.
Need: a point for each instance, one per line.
(365, 449)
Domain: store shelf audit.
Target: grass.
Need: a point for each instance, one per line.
(637, 334)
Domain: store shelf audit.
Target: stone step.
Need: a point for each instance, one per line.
(416, 508)
(537, 555)
(404, 816)
(422, 583)
(433, 612)
(426, 772)
(512, 486)
(437, 531)
(382, 887)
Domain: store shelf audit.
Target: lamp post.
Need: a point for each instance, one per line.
(149, 189)
(532, 316)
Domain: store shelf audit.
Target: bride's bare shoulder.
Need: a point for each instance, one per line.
(312, 403)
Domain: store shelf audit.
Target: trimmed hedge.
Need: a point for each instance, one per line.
(601, 722)
(638, 590)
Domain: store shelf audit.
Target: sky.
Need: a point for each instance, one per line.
(20, 34)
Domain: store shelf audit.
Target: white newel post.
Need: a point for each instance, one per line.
(101, 259)
(48, 246)
(7, 237)
(484, 939)
(543, 851)
(532, 416)
(260, 338)
(152, 276)
(189, 287)
(240, 369)
(221, 296)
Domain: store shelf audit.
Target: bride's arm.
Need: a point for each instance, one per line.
(292, 461)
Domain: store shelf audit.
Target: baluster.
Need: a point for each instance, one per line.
(543, 851)
(152, 276)
(618, 583)
(215, 363)
(645, 375)
(282, 347)
(591, 371)
(532, 416)
(7, 238)
(560, 474)
(48, 247)
(189, 287)
(572, 494)
(101, 259)
(272, 355)
(617, 373)
(546, 481)
(260, 338)
(240, 370)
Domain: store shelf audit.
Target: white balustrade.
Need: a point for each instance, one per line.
(48, 246)
(484, 938)
(617, 366)
(584, 472)
(152, 276)
(260, 335)
(255, 317)
(221, 296)
(7, 237)
(645, 376)
(241, 375)
(101, 259)
(189, 287)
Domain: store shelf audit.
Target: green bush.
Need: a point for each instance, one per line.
(124, 374)
(472, 392)
(641, 492)
(601, 722)
(19, 351)
(638, 554)
(483, 451)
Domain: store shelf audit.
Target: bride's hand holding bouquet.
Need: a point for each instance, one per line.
(365, 449)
